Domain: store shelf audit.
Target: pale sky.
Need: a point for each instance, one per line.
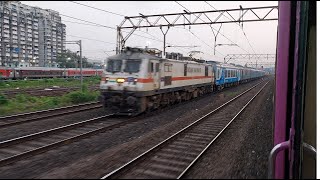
(262, 35)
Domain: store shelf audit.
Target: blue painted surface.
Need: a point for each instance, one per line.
(220, 81)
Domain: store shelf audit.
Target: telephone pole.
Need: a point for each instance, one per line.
(79, 43)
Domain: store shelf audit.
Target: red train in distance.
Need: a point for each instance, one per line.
(43, 72)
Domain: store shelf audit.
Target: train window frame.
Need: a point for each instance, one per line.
(112, 61)
(139, 61)
(167, 67)
(151, 67)
(157, 67)
(185, 70)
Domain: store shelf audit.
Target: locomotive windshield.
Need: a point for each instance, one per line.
(114, 65)
(132, 66)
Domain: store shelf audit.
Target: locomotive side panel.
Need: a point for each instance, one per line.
(181, 74)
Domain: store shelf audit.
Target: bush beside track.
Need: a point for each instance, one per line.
(26, 103)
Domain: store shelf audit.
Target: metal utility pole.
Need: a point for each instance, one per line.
(80, 46)
(81, 78)
(215, 37)
(164, 40)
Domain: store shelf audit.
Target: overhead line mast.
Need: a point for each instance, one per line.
(180, 17)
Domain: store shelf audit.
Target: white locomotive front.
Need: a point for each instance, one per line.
(135, 81)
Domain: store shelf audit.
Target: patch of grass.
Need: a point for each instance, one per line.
(26, 103)
(3, 100)
(48, 82)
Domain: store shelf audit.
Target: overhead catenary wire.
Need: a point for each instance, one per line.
(98, 8)
(213, 28)
(237, 24)
(156, 39)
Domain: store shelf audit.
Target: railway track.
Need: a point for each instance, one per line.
(22, 147)
(173, 157)
(12, 120)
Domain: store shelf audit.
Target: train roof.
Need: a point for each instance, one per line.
(136, 53)
(239, 67)
(133, 53)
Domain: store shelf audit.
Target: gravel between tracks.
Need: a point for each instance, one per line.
(92, 158)
(241, 152)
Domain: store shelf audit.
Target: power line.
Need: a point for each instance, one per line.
(82, 23)
(236, 23)
(204, 43)
(99, 25)
(213, 28)
(89, 22)
(91, 39)
(98, 9)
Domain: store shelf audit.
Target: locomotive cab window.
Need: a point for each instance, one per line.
(114, 65)
(132, 66)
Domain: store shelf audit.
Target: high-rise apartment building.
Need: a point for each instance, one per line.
(30, 36)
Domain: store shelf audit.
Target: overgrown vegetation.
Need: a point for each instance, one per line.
(44, 83)
(26, 103)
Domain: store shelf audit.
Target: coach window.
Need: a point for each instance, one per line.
(185, 70)
(157, 67)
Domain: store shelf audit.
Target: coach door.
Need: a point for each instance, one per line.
(167, 74)
(155, 73)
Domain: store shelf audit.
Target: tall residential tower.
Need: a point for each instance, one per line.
(30, 36)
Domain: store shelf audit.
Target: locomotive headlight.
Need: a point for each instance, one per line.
(120, 80)
(135, 81)
(106, 79)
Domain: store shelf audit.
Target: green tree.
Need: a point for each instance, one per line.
(70, 59)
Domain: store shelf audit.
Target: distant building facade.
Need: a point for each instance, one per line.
(30, 36)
